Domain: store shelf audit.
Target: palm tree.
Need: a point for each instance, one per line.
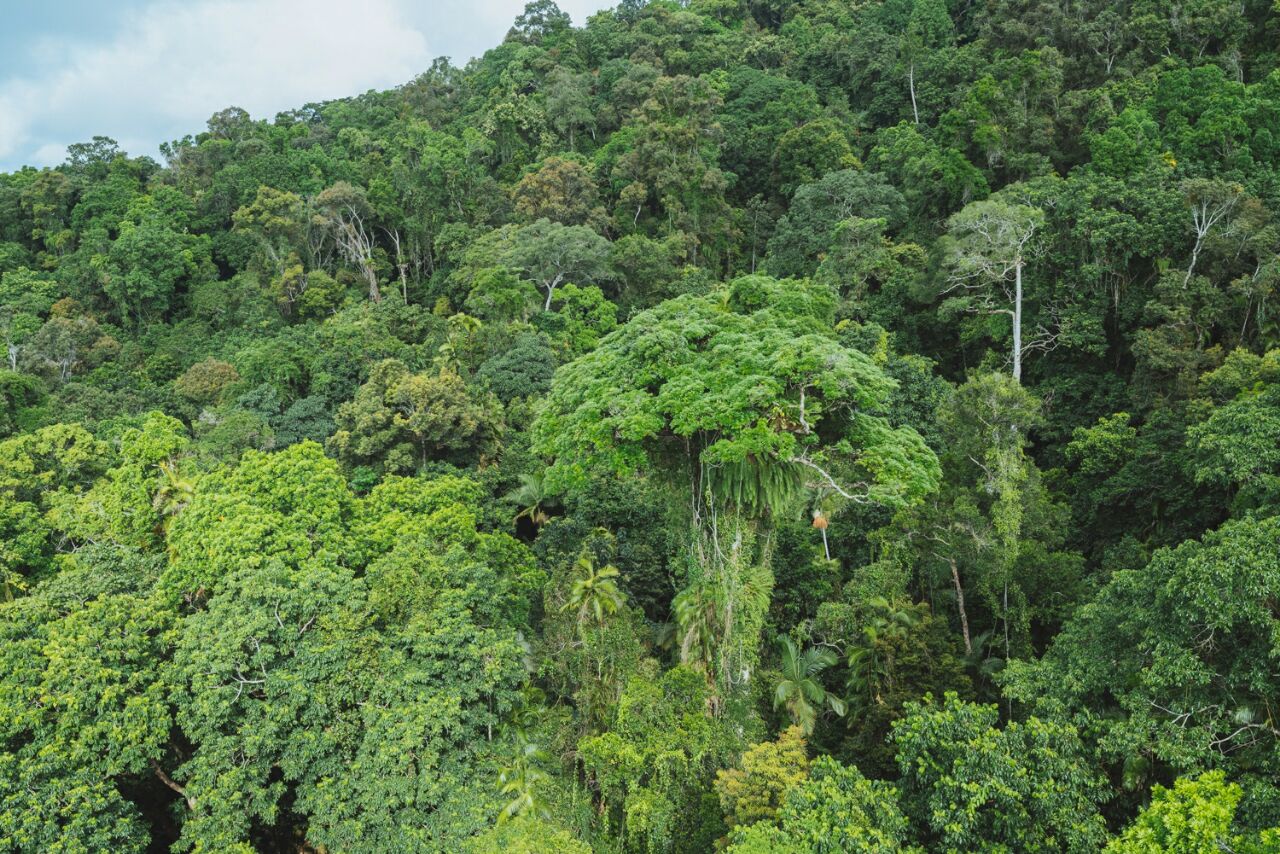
(531, 498)
(174, 492)
(695, 617)
(800, 690)
(519, 781)
(873, 661)
(594, 594)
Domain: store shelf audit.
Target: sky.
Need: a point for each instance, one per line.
(148, 71)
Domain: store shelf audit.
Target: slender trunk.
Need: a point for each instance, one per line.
(911, 81)
(1017, 322)
(551, 289)
(1006, 619)
(964, 616)
(1195, 255)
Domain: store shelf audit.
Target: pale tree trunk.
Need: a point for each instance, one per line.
(911, 81)
(1017, 321)
(551, 289)
(964, 617)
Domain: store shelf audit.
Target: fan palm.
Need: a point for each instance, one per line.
(800, 689)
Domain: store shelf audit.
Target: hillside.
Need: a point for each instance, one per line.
(740, 425)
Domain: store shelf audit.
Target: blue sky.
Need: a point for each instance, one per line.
(147, 71)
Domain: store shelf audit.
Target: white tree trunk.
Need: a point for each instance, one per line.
(1017, 321)
(911, 81)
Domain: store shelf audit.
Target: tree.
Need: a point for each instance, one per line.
(800, 688)
(1211, 202)
(277, 222)
(344, 211)
(653, 770)
(989, 245)
(561, 189)
(204, 381)
(551, 254)
(929, 27)
(967, 785)
(668, 166)
(400, 421)
(808, 230)
(523, 371)
(594, 595)
(769, 770)
(1132, 665)
(153, 255)
(835, 809)
(1195, 815)
(569, 103)
(527, 836)
(747, 382)
(519, 782)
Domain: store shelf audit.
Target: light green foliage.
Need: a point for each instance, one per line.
(102, 684)
(655, 765)
(746, 376)
(579, 318)
(288, 506)
(153, 254)
(800, 689)
(277, 222)
(24, 544)
(835, 810)
(46, 808)
(399, 421)
(54, 459)
(970, 786)
(769, 771)
(1195, 815)
(527, 836)
(122, 506)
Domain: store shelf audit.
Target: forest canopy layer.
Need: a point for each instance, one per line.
(730, 425)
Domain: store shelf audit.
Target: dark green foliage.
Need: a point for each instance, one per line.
(498, 461)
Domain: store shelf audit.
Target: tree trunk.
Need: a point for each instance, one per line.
(1017, 321)
(911, 81)
(964, 617)
(551, 289)
(168, 781)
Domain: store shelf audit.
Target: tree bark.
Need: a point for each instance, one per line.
(168, 781)
(964, 617)
(911, 81)
(1017, 321)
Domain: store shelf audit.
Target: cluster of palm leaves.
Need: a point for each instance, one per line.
(800, 689)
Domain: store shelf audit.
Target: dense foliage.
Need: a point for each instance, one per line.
(742, 425)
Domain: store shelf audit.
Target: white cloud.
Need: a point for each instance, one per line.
(176, 63)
